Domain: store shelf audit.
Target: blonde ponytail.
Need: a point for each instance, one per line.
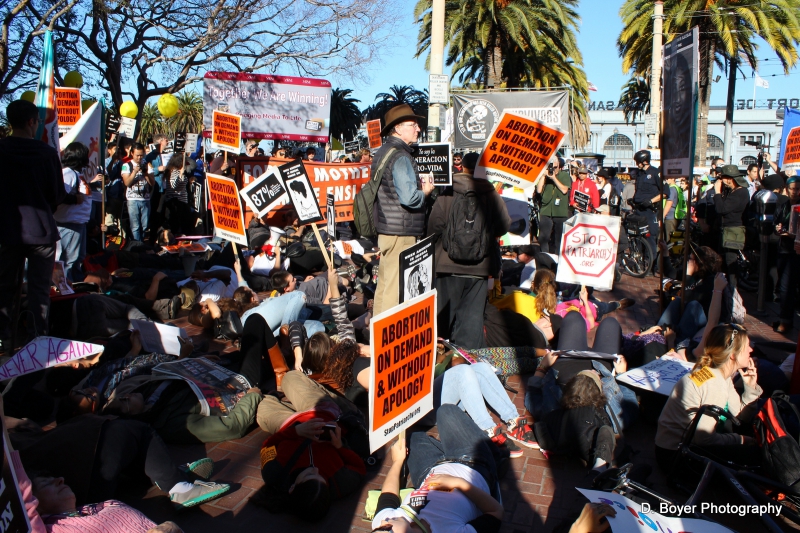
(723, 341)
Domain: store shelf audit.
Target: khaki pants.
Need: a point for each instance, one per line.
(302, 394)
(387, 293)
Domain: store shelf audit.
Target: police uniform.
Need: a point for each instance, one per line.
(648, 186)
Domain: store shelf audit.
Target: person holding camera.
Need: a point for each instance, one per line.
(139, 180)
(648, 194)
(553, 189)
(730, 203)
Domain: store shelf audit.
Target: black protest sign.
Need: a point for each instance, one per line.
(113, 122)
(330, 216)
(582, 201)
(436, 158)
(417, 269)
(351, 147)
(301, 193)
(12, 509)
(264, 193)
(179, 143)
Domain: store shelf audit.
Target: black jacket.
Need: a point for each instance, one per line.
(391, 217)
(730, 206)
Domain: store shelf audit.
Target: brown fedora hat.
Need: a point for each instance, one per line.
(396, 115)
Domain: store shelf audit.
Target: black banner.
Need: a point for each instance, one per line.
(300, 191)
(417, 269)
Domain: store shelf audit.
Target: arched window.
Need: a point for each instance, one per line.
(618, 147)
(715, 147)
(747, 161)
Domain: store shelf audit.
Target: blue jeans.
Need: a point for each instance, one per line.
(139, 214)
(459, 385)
(687, 324)
(283, 310)
(73, 249)
(460, 440)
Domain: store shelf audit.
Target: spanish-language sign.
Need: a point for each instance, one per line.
(633, 517)
(403, 352)
(14, 516)
(681, 74)
(272, 107)
(46, 352)
(300, 191)
(264, 193)
(68, 102)
(226, 131)
(659, 376)
(436, 158)
(589, 250)
(518, 151)
(417, 269)
(330, 216)
(374, 133)
(226, 208)
(790, 141)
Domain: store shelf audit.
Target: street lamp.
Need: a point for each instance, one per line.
(614, 138)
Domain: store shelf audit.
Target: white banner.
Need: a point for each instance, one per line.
(88, 131)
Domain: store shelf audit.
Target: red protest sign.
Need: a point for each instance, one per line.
(68, 103)
(226, 208)
(226, 131)
(374, 133)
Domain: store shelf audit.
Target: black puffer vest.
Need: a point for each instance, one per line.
(392, 218)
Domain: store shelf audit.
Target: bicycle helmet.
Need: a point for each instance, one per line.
(641, 157)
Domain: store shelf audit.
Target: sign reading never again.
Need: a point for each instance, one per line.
(226, 209)
(403, 353)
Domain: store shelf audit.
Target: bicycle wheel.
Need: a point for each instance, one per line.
(638, 262)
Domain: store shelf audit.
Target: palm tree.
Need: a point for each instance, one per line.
(189, 117)
(345, 115)
(397, 95)
(728, 29)
(635, 98)
(151, 122)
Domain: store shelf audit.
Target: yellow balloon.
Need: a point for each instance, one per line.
(28, 96)
(128, 109)
(86, 104)
(167, 105)
(73, 79)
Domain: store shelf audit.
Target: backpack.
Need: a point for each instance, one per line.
(364, 203)
(467, 237)
(780, 450)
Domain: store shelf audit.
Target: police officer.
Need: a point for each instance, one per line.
(648, 195)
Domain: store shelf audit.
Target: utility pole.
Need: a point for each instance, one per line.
(437, 62)
(655, 68)
(728, 140)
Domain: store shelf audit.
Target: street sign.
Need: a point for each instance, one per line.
(651, 124)
(438, 89)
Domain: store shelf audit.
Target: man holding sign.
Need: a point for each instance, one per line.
(400, 204)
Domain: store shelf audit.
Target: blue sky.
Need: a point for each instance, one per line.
(599, 30)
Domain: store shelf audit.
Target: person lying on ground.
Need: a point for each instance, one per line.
(155, 309)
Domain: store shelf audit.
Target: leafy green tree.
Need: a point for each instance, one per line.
(151, 123)
(345, 115)
(728, 31)
(189, 117)
(397, 95)
(635, 98)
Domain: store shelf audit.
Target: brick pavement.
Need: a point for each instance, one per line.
(537, 493)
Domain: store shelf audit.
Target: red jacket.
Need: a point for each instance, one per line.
(586, 186)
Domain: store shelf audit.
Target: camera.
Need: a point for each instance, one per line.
(327, 431)
(549, 168)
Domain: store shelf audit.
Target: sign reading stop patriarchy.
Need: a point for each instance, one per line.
(226, 208)
(68, 103)
(518, 151)
(374, 133)
(589, 250)
(226, 131)
(403, 352)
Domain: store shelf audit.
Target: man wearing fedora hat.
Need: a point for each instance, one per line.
(400, 203)
(730, 203)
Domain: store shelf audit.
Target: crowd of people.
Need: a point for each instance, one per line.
(299, 333)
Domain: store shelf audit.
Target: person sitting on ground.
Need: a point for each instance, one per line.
(726, 353)
(314, 287)
(265, 259)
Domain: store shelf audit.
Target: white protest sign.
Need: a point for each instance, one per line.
(159, 338)
(589, 251)
(46, 352)
(636, 518)
(659, 376)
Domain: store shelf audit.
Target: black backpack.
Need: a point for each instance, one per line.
(780, 450)
(468, 235)
(365, 199)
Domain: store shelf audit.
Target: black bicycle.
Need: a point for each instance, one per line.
(638, 259)
(752, 488)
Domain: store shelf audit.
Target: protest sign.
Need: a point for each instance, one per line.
(374, 133)
(272, 107)
(159, 338)
(192, 142)
(14, 515)
(113, 123)
(46, 352)
(582, 201)
(330, 217)
(351, 147)
(226, 131)
(127, 126)
(681, 75)
(60, 279)
(403, 352)
(659, 376)
(264, 193)
(518, 151)
(302, 195)
(217, 389)
(519, 210)
(790, 141)
(633, 517)
(589, 250)
(436, 158)
(226, 209)
(417, 269)
(68, 102)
